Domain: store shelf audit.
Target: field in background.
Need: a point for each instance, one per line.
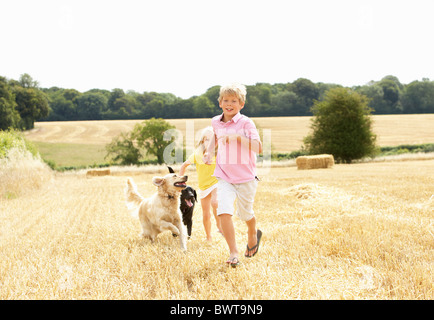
(61, 141)
(72, 154)
(360, 231)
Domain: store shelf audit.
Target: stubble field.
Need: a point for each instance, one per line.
(359, 231)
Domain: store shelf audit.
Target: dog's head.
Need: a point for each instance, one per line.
(171, 182)
(188, 196)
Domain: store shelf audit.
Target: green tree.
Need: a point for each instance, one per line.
(90, 106)
(122, 150)
(306, 92)
(150, 136)
(155, 108)
(375, 95)
(213, 95)
(63, 104)
(418, 97)
(391, 95)
(62, 109)
(26, 81)
(203, 107)
(115, 95)
(342, 126)
(285, 104)
(9, 116)
(32, 103)
(71, 95)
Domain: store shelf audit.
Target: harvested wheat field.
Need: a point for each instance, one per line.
(359, 231)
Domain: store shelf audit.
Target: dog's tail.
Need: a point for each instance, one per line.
(133, 198)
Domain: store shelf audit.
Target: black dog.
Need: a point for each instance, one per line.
(188, 201)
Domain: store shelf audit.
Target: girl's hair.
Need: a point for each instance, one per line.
(204, 132)
(235, 89)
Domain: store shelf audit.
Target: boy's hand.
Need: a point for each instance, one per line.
(254, 145)
(229, 137)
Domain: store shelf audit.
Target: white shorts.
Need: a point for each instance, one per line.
(206, 192)
(244, 193)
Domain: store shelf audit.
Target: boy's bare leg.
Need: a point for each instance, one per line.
(214, 206)
(217, 219)
(252, 238)
(229, 234)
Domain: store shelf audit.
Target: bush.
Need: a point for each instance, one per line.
(424, 148)
(13, 139)
(21, 167)
(342, 126)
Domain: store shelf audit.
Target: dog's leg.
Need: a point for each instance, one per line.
(179, 230)
(189, 225)
(182, 236)
(145, 235)
(147, 231)
(164, 225)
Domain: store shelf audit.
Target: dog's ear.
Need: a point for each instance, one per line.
(170, 169)
(195, 194)
(158, 181)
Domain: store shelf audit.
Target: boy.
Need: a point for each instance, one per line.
(238, 143)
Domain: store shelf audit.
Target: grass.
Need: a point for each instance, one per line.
(71, 154)
(360, 231)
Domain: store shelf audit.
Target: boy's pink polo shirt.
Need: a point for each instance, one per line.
(234, 162)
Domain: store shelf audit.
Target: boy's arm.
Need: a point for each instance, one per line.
(251, 144)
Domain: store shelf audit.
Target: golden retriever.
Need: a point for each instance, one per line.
(160, 212)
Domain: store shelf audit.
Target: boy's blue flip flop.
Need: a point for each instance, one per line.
(258, 235)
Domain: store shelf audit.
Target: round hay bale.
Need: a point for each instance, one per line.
(315, 162)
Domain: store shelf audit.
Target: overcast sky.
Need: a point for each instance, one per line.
(187, 46)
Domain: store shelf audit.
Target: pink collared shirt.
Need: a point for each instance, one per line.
(235, 163)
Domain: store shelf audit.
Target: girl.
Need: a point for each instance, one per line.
(207, 182)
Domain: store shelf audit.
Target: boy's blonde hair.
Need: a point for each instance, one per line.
(235, 89)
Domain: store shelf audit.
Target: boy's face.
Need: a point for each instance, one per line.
(230, 105)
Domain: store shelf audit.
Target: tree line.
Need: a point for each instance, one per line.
(329, 125)
(22, 102)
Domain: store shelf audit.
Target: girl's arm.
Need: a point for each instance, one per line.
(210, 150)
(183, 167)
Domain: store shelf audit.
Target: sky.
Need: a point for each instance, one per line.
(187, 46)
